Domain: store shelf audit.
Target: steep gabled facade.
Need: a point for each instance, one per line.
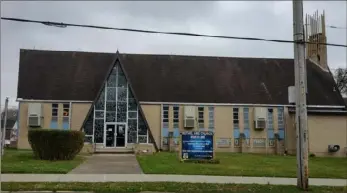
(115, 118)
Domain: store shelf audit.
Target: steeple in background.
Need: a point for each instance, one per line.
(315, 33)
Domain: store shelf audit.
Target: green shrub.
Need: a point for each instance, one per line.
(48, 144)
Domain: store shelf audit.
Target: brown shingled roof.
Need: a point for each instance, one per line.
(66, 75)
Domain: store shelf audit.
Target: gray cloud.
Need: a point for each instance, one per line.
(271, 19)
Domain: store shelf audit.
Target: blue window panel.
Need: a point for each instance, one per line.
(281, 133)
(236, 133)
(54, 124)
(247, 133)
(165, 132)
(176, 132)
(65, 125)
(201, 129)
(270, 133)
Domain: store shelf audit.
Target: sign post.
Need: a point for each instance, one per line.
(197, 145)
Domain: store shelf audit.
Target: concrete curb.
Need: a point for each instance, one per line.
(165, 178)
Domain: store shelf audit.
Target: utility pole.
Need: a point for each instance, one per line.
(300, 90)
(3, 131)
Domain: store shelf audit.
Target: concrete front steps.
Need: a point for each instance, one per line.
(114, 151)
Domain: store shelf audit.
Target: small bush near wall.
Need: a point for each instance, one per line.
(48, 144)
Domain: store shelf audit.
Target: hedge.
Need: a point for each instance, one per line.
(49, 144)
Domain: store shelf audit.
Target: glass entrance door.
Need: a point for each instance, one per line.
(120, 135)
(110, 135)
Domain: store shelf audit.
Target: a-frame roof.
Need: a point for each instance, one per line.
(117, 62)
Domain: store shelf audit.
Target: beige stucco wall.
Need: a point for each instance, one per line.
(78, 113)
(327, 130)
(322, 131)
(153, 117)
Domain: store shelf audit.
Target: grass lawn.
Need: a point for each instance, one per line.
(22, 161)
(235, 164)
(162, 187)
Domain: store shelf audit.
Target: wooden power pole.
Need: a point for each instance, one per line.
(300, 90)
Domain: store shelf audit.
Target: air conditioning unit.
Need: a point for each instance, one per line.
(189, 123)
(260, 123)
(291, 94)
(189, 116)
(34, 114)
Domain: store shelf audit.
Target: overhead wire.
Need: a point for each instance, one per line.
(64, 25)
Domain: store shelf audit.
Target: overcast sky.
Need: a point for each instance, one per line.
(272, 19)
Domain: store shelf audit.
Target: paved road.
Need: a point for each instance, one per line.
(109, 164)
(164, 178)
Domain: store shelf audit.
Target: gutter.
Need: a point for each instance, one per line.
(235, 104)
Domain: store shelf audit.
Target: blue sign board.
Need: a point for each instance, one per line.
(197, 145)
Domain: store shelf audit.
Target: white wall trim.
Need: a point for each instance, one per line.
(233, 104)
(51, 101)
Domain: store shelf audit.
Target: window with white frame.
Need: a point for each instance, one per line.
(211, 118)
(246, 127)
(176, 111)
(236, 133)
(54, 119)
(280, 118)
(201, 118)
(165, 124)
(176, 133)
(66, 115)
(270, 127)
(116, 104)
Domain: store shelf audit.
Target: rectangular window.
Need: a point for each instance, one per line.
(176, 110)
(280, 115)
(270, 127)
(165, 123)
(211, 118)
(201, 118)
(236, 116)
(236, 132)
(246, 124)
(54, 120)
(66, 116)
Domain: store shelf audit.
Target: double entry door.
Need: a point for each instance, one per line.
(115, 135)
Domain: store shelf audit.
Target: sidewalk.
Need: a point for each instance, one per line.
(164, 178)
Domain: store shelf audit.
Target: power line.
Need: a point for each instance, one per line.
(335, 27)
(64, 25)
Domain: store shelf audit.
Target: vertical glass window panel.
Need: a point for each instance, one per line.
(132, 131)
(122, 82)
(236, 133)
(130, 95)
(110, 116)
(66, 124)
(122, 95)
(165, 132)
(121, 111)
(88, 139)
(132, 115)
(143, 139)
(99, 131)
(99, 114)
(142, 130)
(247, 133)
(88, 126)
(270, 134)
(100, 103)
(54, 123)
(111, 106)
(132, 106)
(112, 80)
(281, 133)
(111, 94)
